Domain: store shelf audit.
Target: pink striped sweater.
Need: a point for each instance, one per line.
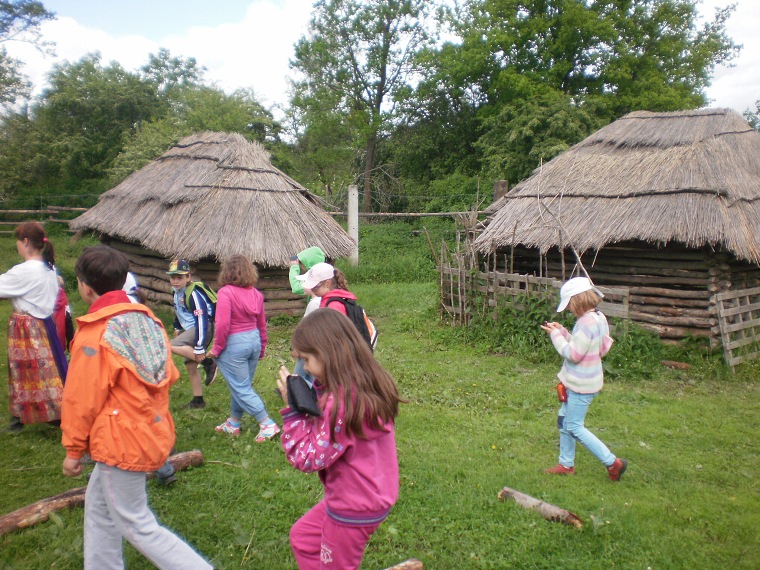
(582, 350)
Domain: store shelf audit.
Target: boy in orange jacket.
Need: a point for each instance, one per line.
(116, 407)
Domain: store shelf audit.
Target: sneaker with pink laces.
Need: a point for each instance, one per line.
(561, 470)
(227, 427)
(267, 430)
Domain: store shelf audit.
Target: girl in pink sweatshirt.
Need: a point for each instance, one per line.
(239, 343)
(351, 444)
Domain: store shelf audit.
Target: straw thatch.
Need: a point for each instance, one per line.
(211, 196)
(691, 177)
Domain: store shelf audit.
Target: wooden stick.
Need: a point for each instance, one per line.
(40, 511)
(411, 564)
(548, 511)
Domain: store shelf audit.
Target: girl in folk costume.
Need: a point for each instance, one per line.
(351, 444)
(36, 361)
(581, 377)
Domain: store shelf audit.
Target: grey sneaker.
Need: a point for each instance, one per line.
(167, 481)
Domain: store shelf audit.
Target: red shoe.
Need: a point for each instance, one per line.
(561, 470)
(617, 469)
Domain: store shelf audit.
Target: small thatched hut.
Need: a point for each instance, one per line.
(665, 203)
(210, 196)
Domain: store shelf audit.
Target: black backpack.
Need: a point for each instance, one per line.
(360, 319)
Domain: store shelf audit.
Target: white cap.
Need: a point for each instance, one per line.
(314, 276)
(573, 287)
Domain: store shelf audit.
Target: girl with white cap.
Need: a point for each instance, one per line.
(581, 377)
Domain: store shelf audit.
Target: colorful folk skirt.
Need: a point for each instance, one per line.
(35, 371)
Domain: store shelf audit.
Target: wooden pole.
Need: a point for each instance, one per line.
(548, 511)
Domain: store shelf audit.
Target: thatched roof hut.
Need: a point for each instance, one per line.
(680, 189)
(210, 196)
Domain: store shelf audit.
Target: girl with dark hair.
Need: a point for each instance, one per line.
(239, 343)
(351, 444)
(36, 362)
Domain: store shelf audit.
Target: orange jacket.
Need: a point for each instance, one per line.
(116, 397)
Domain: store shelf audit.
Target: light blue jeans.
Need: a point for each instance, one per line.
(238, 363)
(571, 429)
(299, 370)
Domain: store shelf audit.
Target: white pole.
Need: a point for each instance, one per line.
(353, 221)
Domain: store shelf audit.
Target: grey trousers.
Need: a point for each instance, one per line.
(116, 507)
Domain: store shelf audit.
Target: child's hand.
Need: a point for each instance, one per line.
(282, 383)
(550, 326)
(72, 467)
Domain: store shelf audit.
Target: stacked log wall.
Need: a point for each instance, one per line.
(150, 268)
(671, 288)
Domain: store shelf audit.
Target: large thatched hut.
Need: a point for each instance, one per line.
(667, 204)
(210, 196)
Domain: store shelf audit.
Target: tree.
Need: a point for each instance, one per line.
(19, 21)
(632, 54)
(359, 55)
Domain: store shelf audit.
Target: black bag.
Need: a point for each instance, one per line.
(361, 321)
(301, 397)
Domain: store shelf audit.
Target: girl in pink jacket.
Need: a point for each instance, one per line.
(351, 444)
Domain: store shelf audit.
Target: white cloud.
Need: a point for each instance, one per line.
(252, 53)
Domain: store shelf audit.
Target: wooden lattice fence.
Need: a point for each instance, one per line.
(739, 321)
(464, 291)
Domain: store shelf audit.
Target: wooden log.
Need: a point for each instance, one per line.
(668, 301)
(548, 511)
(40, 511)
(674, 364)
(671, 332)
(649, 263)
(653, 309)
(411, 564)
(667, 292)
(698, 322)
(599, 271)
(184, 460)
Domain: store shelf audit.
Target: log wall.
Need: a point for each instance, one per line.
(672, 289)
(150, 268)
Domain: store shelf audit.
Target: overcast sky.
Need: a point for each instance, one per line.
(248, 43)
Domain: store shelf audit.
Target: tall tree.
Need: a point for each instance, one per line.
(359, 55)
(19, 21)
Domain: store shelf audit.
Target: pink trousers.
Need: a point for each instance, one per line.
(320, 543)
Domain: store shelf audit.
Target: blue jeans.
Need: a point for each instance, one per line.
(571, 429)
(238, 363)
(299, 370)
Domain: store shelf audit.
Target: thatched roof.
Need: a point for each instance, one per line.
(689, 176)
(215, 195)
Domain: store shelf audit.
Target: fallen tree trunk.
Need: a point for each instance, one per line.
(40, 511)
(548, 511)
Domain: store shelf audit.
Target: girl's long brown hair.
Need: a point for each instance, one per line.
(351, 373)
(239, 271)
(35, 234)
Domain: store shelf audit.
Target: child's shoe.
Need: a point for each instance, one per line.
(195, 404)
(561, 470)
(228, 427)
(267, 430)
(617, 469)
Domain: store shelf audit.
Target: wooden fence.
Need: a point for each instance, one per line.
(465, 291)
(739, 321)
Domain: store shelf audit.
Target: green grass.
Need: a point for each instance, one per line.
(478, 420)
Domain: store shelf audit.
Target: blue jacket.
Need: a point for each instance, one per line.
(200, 310)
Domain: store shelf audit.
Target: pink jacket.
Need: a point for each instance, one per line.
(360, 475)
(340, 293)
(238, 310)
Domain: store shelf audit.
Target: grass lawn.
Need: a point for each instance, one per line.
(476, 421)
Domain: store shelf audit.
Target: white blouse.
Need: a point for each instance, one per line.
(32, 287)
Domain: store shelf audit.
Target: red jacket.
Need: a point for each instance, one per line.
(116, 398)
